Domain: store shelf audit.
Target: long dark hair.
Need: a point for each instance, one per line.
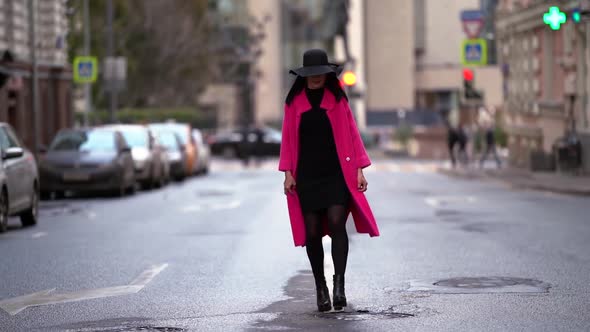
(332, 84)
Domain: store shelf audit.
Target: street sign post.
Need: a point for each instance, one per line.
(115, 73)
(473, 21)
(474, 52)
(85, 69)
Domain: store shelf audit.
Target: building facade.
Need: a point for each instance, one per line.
(414, 68)
(419, 66)
(54, 74)
(544, 69)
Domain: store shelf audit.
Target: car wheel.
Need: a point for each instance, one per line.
(121, 191)
(161, 179)
(45, 195)
(165, 178)
(132, 186)
(3, 211)
(30, 216)
(229, 152)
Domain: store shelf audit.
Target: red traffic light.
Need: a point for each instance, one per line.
(349, 78)
(468, 74)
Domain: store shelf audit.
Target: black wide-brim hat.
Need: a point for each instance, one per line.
(315, 62)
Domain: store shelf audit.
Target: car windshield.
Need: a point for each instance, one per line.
(84, 141)
(179, 129)
(168, 139)
(136, 138)
(273, 134)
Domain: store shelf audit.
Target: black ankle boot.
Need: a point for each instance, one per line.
(339, 296)
(323, 295)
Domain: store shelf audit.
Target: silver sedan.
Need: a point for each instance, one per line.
(19, 181)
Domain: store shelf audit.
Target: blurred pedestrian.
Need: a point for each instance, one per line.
(246, 145)
(323, 184)
(259, 146)
(462, 140)
(490, 145)
(452, 141)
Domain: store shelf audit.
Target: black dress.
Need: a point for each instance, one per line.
(320, 182)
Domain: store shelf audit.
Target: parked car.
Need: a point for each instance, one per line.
(203, 153)
(19, 180)
(148, 155)
(175, 153)
(85, 160)
(243, 142)
(184, 132)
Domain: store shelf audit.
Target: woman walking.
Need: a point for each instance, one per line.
(323, 157)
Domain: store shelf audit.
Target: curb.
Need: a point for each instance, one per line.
(515, 184)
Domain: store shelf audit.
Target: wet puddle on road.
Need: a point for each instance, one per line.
(361, 315)
(118, 325)
(299, 311)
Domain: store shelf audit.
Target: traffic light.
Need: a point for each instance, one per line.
(576, 15)
(3, 79)
(468, 85)
(349, 78)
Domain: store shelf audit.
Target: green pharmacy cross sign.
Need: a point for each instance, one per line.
(554, 18)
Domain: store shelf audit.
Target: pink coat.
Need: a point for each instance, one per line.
(351, 152)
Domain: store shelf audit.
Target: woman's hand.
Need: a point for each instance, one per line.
(362, 182)
(289, 184)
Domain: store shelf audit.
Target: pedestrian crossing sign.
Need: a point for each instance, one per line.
(474, 52)
(85, 69)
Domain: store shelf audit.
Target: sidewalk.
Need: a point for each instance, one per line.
(524, 179)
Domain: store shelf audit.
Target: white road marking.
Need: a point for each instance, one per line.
(214, 206)
(91, 215)
(226, 206)
(328, 262)
(17, 304)
(38, 235)
(444, 200)
(192, 208)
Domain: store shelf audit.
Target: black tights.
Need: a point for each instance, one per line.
(336, 215)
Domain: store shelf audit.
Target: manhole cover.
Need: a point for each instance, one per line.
(364, 315)
(474, 285)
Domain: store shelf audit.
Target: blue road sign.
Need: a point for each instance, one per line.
(474, 52)
(85, 69)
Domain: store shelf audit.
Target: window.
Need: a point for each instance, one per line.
(85, 141)
(8, 139)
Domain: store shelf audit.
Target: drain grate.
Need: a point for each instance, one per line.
(478, 285)
(139, 328)
(361, 315)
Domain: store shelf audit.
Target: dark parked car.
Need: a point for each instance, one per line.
(243, 143)
(19, 181)
(87, 160)
(175, 152)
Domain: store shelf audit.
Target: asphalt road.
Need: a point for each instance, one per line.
(215, 253)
